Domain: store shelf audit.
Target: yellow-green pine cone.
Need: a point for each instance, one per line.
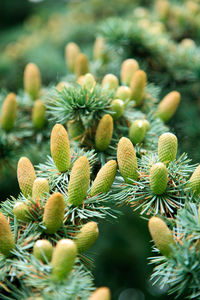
(194, 181)
(87, 236)
(167, 147)
(21, 212)
(81, 65)
(32, 80)
(104, 133)
(60, 148)
(79, 181)
(147, 125)
(161, 235)
(110, 82)
(99, 49)
(123, 93)
(72, 50)
(168, 106)
(104, 178)
(137, 131)
(26, 176)
(117, 106)
(128, 69)
(38, 114)
(7, 243)
(75, 129)
(158, 178)
(88, 82)
(43, 250)
(63, 259)
(137, 85)
(9, 112)
(61, 85)
(54, 213)
(40, 188)
(102, 293)
(127, 161)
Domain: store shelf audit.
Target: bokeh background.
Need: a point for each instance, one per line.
(37, 31)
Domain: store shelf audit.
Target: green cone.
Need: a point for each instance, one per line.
(79, 181)
(123, 93)
(54, 213)
(26, 176)
(32, 80)
(138, 85)
(127, 161)
(194, 181)
(9, 112)
(81, 65)
(137, 131)
(60, 148)
(40, 188)
(38, 114)
(87, 236)
(168, 106)
(167, 147)
(75, 129)
(102, 293)
(158, 178)
(128, 69)
(20, 211)
(99, 51)
(161, 235)
(63, 259)
(110, 82)
(72, 50)
(117, 106)
(43, 250)
(104, 133)
(88, 82)
(104, 178)
(7, 243)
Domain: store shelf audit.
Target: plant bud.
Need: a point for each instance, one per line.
(88, 82)
(104, 133)
(38, 114)
(60, 148)
(168, 106)
(7, 243)
(32, 80)
(123, 93)
(161, 235)
(87, 236)
(194, 181)
(43, 250)
(99, 52)
(138, 85)
(147, 125)
(75, 129)
(127, 161)
(167, 147)
(61, 85)
(20, 211)
(79, 181)
(54, 213)
(40, 188)
(9, 112)
(26, 176)
(104, 178)
(137, 131)
(63, 259)
(110, 82)
(128, 69)
(102, 293)
(72, 50)
(158, 178)
(81, 65)
(117, 106)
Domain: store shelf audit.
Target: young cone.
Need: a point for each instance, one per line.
(38, 114)
(167, 147)
(81, 65)
(88, 82)
(128, 69)
(168, 106)
(54, 213)
(104, 133)
(61, 85)
(127, 161)
(43, 250)
(79, 181)
(194, 181)
(72, 50)
(110, 82)
(7, 243)
(87, 236)
(161, 235)
(123, 93)
(32, 80)
(63, 259)
(99, 49)
(137, 85)
(147, 125)
(26, 176)
(20, 211)
(102, 293)
(60, 148)
(104, 178)
(9, 112)
(75, 129)
(40, 188)
(137, 131)
(158, 178)
(117, 106)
